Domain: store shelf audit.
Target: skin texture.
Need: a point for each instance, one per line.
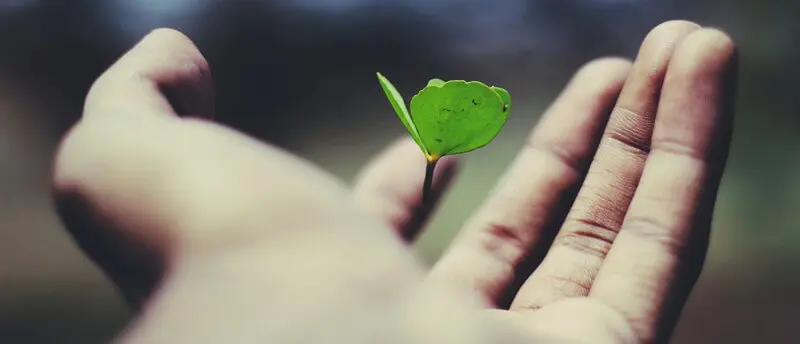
(596, 233)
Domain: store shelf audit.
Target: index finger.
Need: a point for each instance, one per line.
(164, 73)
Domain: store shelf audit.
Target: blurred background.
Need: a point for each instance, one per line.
(301, 74)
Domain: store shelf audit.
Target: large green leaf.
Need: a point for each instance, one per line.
(399, 106)
(457, 116)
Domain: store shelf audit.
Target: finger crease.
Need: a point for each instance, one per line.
(568, 284)
(652, 230)
(629, 144)
(590, 237)
(677, 147)
(504, 242)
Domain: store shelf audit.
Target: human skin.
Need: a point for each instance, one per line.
(596, 233)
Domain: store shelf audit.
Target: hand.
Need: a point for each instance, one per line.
(596, 234)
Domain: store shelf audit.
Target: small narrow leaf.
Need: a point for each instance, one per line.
(399, 106)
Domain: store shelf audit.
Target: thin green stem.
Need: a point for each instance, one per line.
(427, 185)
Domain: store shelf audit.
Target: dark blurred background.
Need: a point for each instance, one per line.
(301, 74)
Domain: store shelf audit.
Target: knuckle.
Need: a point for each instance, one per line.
(678, 147)
(572, 284)
(631, 129)
(631, 138)
(573, 280)
(587, 236)
(655, 230)
(503, 241)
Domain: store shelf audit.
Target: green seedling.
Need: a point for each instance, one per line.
(450, 117)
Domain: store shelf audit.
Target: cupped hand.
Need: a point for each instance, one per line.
(596, 233)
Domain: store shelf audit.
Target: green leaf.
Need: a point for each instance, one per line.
(399, 106)
(458, 116)
(505, 96)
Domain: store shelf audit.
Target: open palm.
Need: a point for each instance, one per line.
(596, 233)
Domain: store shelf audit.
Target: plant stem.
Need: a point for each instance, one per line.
(427, 185)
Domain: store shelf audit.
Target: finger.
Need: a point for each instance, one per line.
(163, 74)
(492, 249)
(391, 187)
(659, 252)
(588, 231)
